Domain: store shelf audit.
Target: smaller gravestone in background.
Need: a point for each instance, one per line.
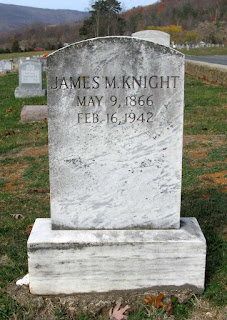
(32, 113)
(30, 80)
(6, 66)
(155, 36)
(1, 66)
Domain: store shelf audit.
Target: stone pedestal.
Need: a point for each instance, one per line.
(79, 261)
(27, 93)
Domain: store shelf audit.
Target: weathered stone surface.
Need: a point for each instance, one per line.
(30, 80)
(155, 36)
(31, 113)
(115, 134)
(75, 261)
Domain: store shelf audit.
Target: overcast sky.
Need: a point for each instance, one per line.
(81, 5)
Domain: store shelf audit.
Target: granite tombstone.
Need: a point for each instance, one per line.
(124, 115)
(115, 130)
(30, 80)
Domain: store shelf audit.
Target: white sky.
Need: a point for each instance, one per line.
(81, 5)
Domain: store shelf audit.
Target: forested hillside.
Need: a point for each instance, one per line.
(187, 13)
(185, 20)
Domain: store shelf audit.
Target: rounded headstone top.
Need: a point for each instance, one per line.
(155, 36)
(105, 42)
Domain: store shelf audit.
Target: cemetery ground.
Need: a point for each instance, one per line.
(14, 55)
(24, 196)
(212, 51)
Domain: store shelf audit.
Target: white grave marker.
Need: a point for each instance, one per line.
(30, 80)
(124, 115)
(115, 144)
(155, 36)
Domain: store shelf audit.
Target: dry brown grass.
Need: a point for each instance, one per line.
(204, 310)
(217, 178)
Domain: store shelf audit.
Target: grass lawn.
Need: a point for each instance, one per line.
(6, 56)
(205, 51)
(24, 194)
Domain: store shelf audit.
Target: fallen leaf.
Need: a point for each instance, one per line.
(149, 299)
(157, 303)
(118, 314)
(40, 190)
(28, 230)
(4, 259)
(9, 110)
(9, 186)
(17, 216)
(8, 133)
(169, 308)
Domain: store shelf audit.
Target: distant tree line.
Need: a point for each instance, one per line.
(50, 37)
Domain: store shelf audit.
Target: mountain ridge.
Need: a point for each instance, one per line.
(15, 16)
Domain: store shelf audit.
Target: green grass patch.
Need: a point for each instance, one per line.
(6, 56)
(215, 51)
(15, 135)
(205, 110)
(217, 154)
(24, 183)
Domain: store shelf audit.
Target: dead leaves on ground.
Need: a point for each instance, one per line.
(8, 133)
(157, 303)
(28, 230)
(17, 216)
(40, 190)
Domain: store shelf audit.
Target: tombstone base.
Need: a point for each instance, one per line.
(20, 93)
(82, 261)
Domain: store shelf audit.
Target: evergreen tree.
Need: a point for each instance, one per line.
(15, 46)
(104, 19)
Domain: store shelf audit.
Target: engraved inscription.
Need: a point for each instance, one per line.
(30, 75)
(128, 109)
(114, 118)
(124, 82)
